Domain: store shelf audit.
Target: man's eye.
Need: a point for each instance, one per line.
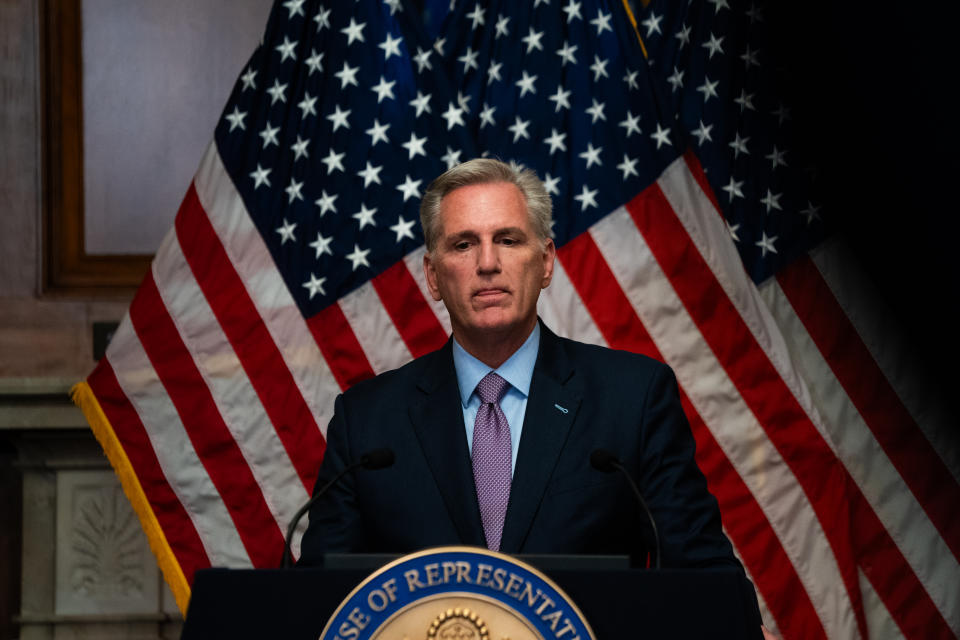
(463, 245)
(508, 241)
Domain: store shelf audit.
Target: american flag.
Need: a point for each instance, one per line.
(293, 271)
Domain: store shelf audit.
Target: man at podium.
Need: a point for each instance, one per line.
(493, 433)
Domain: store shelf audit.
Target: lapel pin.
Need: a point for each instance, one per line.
(562, 408)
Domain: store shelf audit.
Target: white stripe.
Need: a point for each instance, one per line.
(563, 310)
(414, 262)
(733, 425)
(920, 394)
(235, 398)
(375, 331)
(901, 514)
(250, 257)
(880, 625)
(175, 453)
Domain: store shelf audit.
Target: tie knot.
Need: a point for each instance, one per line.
(491, 388)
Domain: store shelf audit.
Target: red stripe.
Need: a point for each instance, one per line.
(873, 396)
(176, 524)
(786, 424)
(743, 518)
(212, 440)
(250, 339)
(409, 310)
(340, 347)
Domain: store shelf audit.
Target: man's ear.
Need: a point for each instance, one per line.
(549, 257)
(431, 274)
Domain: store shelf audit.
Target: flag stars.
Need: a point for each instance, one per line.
(745, 100)
(299, 148)
(334, 162)
(776, 157)
(423, 59)
(269, 135)
(734, 189)
(782, 113)
(439, 44)
(358, 257)
(599, 68)
(502, 29)
(260, 177)
(353, 31)
(453, 115)
(414, 146)
(315, 285)
(383, 89)
(322, 19)
(370, 174)
(602, 22)
(293, 191)
(732, 229)
(661, 135)
(652, 24)
(314, 62)
(526, 84)
(708, 89)
(286, 49)
(702, 133)
(739, 145)
(566, 54)
(561, 98)
(365, 216)
(378, 133)
(771, 201)
(749, 58)
(477, 16)
(469, 60)
(403, 229)
(277, 92)
(519, 129)
(339, 118)
(307, 106)
(532, 40)
(409, 189)
(493, 72)
(596, 111)
(556, 140)
(248, 79)
(325, 202)
(631, 124)
(286, 232)
(683, 35)
(486, 116)
(628, 167)
(347, 75)
(718, 4)
(676, 79)
(592, 155)
(573, 11)
(812, 212)
(451, 158)
(713, 45)
(294, 7)
(421, 103)
(631, 79)
(766, 244)
(391, 47)
(587, 198)
(236, 119)
(551, 184)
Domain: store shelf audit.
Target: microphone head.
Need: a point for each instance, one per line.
(377, 459)
(603, 460)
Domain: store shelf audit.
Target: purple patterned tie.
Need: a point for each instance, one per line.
(491, 458)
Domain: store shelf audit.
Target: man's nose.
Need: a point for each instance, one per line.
(488, 261)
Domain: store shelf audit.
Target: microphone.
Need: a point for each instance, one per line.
(605, 461)
(376, 459)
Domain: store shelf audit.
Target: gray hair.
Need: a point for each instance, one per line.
(486, 171)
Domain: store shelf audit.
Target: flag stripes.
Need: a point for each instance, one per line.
(409, 311)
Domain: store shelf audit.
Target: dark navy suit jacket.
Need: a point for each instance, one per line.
(582, 397)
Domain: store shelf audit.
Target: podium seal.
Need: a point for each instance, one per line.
(457, 593)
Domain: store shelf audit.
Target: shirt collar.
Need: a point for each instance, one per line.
(517, 370)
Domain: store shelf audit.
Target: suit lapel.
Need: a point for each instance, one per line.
(437, 419)
(552, 406)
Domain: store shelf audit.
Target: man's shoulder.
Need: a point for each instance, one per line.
(400, 379)
(605, 358)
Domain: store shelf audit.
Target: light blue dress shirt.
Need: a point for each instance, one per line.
(517, 370)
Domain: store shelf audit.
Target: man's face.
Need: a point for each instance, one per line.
(488, 265)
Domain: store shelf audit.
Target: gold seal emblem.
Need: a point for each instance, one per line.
(458, 624)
